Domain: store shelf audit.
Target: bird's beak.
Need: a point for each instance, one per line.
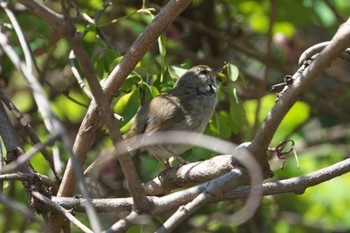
(217, 70)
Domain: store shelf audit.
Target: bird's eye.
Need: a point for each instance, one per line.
(205, 72)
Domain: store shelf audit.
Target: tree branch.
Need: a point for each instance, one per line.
(134, 54)
(45, 13)
(63, 211)
(189, 175)
(22, 210)
(133, 181)
(303, 78)
(31, 133)
(317, 48)
(164, 204)
(299, 184)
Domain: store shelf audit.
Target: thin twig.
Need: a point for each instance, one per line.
(62, 210)
(20, 35)
(78, 77)
(26, 156)
(50, 120)
(1, 169)
(32, 177)
(54, 127)
(22, 210)
(26, 125)
(48, 15)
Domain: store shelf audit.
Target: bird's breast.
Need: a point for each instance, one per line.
(199, 112)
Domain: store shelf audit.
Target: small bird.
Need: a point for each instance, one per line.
(187, 107)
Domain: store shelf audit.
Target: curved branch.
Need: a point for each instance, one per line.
(303, 78)
(163, 204)
(317, 48)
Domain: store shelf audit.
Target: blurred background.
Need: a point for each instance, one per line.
(260, 43)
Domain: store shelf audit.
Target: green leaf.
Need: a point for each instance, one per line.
(176, 72)
(250, 106)
(162, 53)
(152, 90)
(162, 45)
(233, 72)
(67, 109)
(298, 114)
(224, 124)
(127, 107)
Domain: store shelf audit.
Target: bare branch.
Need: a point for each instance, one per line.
(189, 175)
(163, 204)
(299, 184)
(48, 15)
(317, 48)
(215, 187)
(302, 80)
(138, 49)
(63, 211)
(26, 125)
(22, 210)
(51, 122)
(210, 192)
(19, 34)
(12, 142)
(134, 182)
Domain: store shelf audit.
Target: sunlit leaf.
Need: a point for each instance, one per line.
(176, 71)
(233, 72)
(127, 106)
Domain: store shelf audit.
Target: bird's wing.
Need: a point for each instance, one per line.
(163, 113)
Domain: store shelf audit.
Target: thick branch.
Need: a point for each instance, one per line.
(163, 204)
(189, 175)
(302, 80)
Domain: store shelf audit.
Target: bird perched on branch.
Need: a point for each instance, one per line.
(187, 107)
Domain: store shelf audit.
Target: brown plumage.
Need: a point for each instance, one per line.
(188, 106)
